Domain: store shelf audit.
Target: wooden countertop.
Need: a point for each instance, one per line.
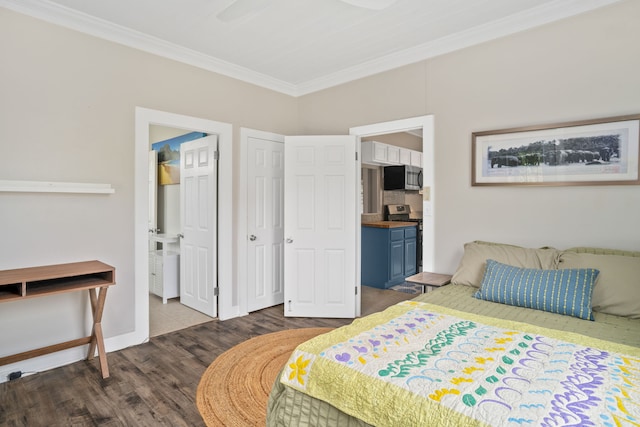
(388, 224)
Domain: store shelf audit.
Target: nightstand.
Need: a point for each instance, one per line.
(429, 281)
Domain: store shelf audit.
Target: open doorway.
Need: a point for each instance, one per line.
(166, 311)
(144, 119)
(388, 197)
(418, 126)
(412, 136)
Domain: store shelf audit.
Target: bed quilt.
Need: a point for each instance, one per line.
(423, 364)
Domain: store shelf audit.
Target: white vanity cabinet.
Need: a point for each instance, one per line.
(164, 267)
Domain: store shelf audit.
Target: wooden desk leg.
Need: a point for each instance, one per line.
(97, 339)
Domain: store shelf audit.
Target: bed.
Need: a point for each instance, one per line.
(455, 356)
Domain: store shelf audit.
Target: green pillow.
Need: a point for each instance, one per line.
(566, 291)
(617, 291)
(472, 264)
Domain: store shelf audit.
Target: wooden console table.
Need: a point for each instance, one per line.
(23, 283)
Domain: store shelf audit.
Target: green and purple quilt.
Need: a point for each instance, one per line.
(422, 364)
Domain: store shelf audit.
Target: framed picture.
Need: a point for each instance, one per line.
(169, 157)
(591, 152)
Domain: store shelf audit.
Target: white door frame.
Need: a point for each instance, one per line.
(426, 123)
(145, 117)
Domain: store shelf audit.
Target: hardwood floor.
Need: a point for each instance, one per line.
(152, 384)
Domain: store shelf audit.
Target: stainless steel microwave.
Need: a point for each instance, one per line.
(402, 178)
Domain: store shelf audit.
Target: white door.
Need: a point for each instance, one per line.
(265, 223)
(321, 225)
(198, 217)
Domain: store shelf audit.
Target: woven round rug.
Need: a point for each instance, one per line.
(234, 389)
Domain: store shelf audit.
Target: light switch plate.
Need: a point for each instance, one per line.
(426, 195)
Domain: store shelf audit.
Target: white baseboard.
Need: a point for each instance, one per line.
(66, 357)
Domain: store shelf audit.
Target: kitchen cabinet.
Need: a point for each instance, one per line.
(416, 158)
(164, 268)
(389, 252)
(381, 154)
(405, 156)
(410, 157)
(393, 154)
(375, 153)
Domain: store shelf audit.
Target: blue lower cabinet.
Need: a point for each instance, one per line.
(410, 251)
(388, 255)
(396, 261)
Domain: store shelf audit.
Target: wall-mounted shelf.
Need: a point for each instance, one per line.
(54, 187)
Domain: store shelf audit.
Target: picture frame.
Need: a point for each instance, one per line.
(589, 152)
(169, 157)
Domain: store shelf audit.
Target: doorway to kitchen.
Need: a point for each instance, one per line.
(422, 200)
(391, 191)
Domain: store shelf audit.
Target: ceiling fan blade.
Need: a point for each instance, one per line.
(241, 8)
(371, 4)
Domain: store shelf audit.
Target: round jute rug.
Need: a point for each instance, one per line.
(234, 389)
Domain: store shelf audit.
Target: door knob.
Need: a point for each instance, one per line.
(252, 237)
(289, 240)
(180, 235)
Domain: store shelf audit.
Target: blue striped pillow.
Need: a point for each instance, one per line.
(563, 291)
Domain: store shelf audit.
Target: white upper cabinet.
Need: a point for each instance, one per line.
(405, 156)
(416, 159)
(381, 154)
(375, 153)
(393, 154)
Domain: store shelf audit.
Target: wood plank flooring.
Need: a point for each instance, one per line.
(152, 384)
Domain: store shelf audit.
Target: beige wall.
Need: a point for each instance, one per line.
(67, 114)
(580, 68)
(67, 108)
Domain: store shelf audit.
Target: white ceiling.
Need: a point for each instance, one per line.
(300, 46)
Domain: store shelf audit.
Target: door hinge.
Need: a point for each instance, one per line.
(216, 291)
(356, 290)
(216, 155)
(356, 156)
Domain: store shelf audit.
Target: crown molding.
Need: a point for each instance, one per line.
(82, 22)
(70, 18)
(512, 24)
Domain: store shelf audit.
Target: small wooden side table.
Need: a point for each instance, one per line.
(429, 281)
